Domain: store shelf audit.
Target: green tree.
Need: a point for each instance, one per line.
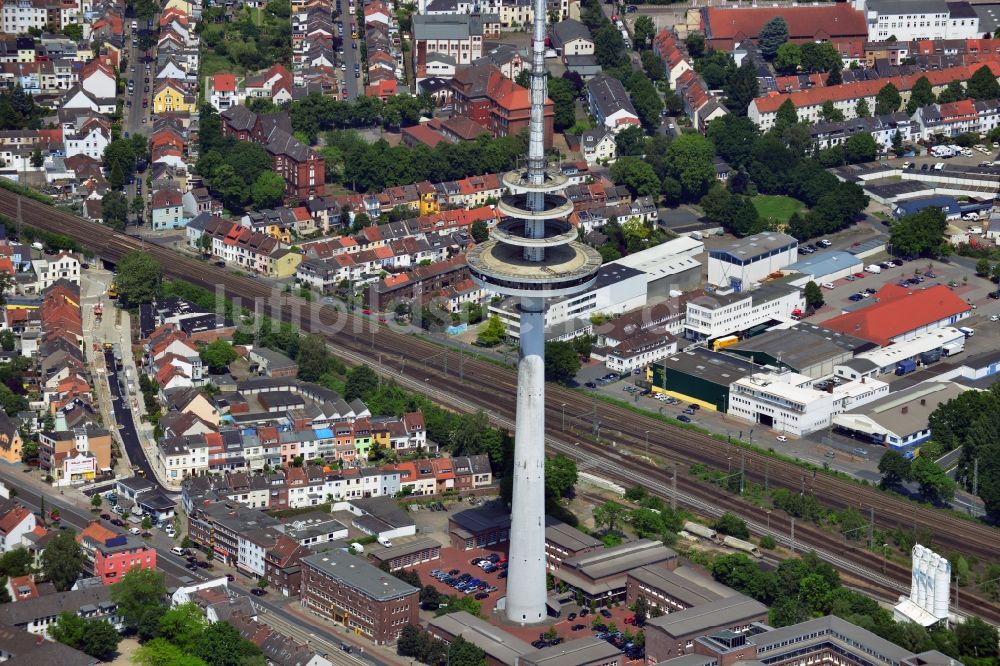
(561, 361)
(267, 190)
(983, 267)
(653, 66)
(788, 58)
(138, 278)
(646, 100)
(695, 43)
(136, 593)
(160, 652)
(935, 485)
(137, 208)
(733, 525)
(862, 110)
(218, 355)
(97, 638)
(183, 625)
(921, 94)
(835, 77)
(314, 359)
(409, 641)
(361, 383)
(983, 84)
(831, 113)
(742, 88)
(636, 174)
(887, 100)
(7, 340)
(463, 653)
(813, 295)
(492, 332)
(976, 639)
(610, 515)
(16, 562)
(861, 147)
(954, 92)
(120, 155)
(114, 209)
(643, 31)
(563, 96)
(690, 160)
(772, 36)
(430, 599)
(480, 232)
(62, 560)
(786, 115)
(37, 160)
(220, 644)
(560, 476)
(894, 468)
(820, 57)
(734, 212)
(920, 234)
(96, 501)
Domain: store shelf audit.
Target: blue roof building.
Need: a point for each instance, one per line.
(952, 211)
(829, 266)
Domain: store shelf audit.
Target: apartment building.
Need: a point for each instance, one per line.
(347, 591)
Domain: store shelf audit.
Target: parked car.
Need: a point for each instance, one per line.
(684, 418)
(258, 592)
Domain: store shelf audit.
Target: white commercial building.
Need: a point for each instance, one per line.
(901, 418)
(908, 20)
(669, 267)
(715, 315)
(617, 289)
(49, 271)
(746, 261)
(179, 458)
(787, 402)
(934, 344)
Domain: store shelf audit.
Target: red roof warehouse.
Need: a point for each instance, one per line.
(726, 26)
(901, 313)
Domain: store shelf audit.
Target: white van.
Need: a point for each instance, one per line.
(827, 285)
(966, 331)
(874, 269)
(357, 547)
(178, 551)
(385, 542)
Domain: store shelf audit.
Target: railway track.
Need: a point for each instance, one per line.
(423, 366)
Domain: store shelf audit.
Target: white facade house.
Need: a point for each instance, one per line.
(715, 315)
(901, 418)
(178, 458)
(91, 140)
(786, 401)
(610, 104)
(100, 83)
(598, 146)
(746, 261)
(905, 20)
(50, 271)
(21, 15)
(21, 521)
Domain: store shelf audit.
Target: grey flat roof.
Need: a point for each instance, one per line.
(823, 629)
(495, 642)
(690, 660)
(678, 587)
(908, 6)
(573, 653)
(801, 346)
(716, 367)
(385, 509)
(620, 559)
(719, 613)
(401, 549)
(568, 536)
(479, 519)
(754, 246)
(359, 575)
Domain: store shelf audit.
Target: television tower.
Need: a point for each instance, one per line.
(532, 254)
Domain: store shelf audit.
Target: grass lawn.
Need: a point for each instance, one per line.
(212, 63)
(777, 208)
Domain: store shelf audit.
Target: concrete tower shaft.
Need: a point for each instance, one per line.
(532, 254)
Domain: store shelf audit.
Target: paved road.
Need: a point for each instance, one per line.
(125, 422)
(352, 57)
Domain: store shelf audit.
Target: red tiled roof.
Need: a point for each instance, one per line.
(224, 83)
(858, 89)
(808, 23)
(899, 311)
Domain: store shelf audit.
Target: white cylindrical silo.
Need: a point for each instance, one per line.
(942, 589)
(925, 596)
(915, 554)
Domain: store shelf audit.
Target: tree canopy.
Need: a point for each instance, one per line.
(561, 361)
(772, 36)
(62, 560)
(887, 100)
(920, 234)
(138, 278)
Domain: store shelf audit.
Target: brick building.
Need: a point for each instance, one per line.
(346, 590)
(302, 167)
(484, 95)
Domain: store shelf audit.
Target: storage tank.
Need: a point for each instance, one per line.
(925, 561)
(915, 554)
(942, 589)
(701, 530)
